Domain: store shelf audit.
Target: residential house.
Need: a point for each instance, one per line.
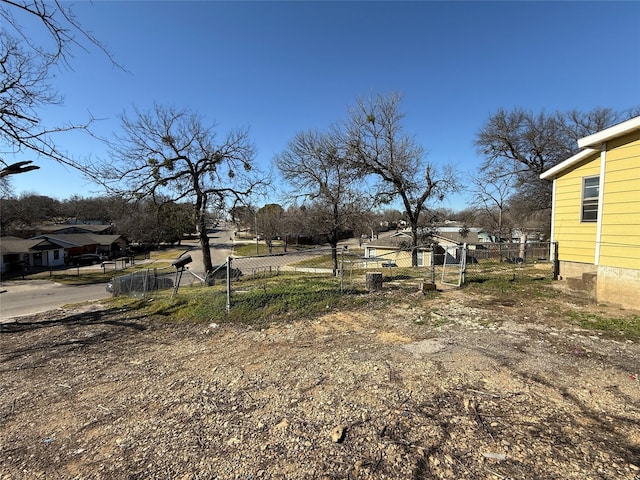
(16, 254)
(393, 248)
(596, 215)
(81, 243)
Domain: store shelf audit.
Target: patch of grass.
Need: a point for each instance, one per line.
(169, 254)
(434, 320)
(71, 276)
(285, 297)
(320, 261)
(623, 327)
(524, 287)
(249, 249)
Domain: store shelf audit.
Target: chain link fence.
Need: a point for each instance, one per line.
(258, 273)
(509, 261)
(453, 266)
(310, 271)
(291, 274)
(142, 282)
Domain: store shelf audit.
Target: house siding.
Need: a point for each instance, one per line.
(620, 237)
(604, 255)
(402, 258)
(576, 238)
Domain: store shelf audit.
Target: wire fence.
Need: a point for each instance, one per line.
(510, 261)
(142, 282)
(350, 271)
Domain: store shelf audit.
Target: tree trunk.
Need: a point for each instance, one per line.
(201, 223)
(414, 244)
(334, 256)
(206, 251)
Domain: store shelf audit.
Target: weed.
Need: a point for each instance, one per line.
(624, 327)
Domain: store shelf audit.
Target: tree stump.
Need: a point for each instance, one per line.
(426, 286)
(374, 281)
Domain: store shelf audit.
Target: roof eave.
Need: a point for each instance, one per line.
(596, 139)
(568, 163)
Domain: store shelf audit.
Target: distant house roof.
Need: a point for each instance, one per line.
(73, 228)
(443, 235)
(591, 145)
(454, 234)
(81, 239)
(11, 244)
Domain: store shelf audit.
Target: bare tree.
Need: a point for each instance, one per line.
(270, 223)
(25, 80)
(27, 211)
(525, 144)
(171, 153)
(314, 164)
(379, 147)
(491, 192)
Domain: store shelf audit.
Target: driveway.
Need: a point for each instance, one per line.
(25, 297)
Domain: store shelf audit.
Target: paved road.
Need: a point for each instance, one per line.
(26, 297)
(220, 243)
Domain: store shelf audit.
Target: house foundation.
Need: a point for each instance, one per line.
(610, 285)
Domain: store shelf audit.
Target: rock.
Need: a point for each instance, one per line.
(500, 457)
(283, 424)
(337, 434)
(233, 441)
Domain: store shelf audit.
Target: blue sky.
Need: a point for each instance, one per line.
(281, 67)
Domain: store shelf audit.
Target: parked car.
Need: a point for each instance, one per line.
(87, 259)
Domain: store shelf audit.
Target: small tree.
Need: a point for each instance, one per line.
(378, 147)
(171, 153)
(270, 220)
(314, 164)
(491, 192)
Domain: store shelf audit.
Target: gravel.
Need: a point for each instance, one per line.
(449, 386)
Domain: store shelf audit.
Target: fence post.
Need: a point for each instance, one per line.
(342, 270)
(554, 259)
(228, 284)
(463, 265)
(433, 265)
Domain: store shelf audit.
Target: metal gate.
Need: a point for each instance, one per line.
(453, 266)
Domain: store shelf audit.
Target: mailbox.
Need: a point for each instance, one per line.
(181, 262)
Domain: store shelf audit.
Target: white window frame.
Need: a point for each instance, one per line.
(592, 202)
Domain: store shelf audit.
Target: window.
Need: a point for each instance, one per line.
(56, 254)
(590, 191)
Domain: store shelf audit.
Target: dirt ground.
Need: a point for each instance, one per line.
(452, 386)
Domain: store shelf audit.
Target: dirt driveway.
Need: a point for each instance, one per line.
(456, 386)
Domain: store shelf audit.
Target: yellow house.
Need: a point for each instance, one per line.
(596, 214)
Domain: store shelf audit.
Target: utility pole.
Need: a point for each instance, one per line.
(255, 220)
